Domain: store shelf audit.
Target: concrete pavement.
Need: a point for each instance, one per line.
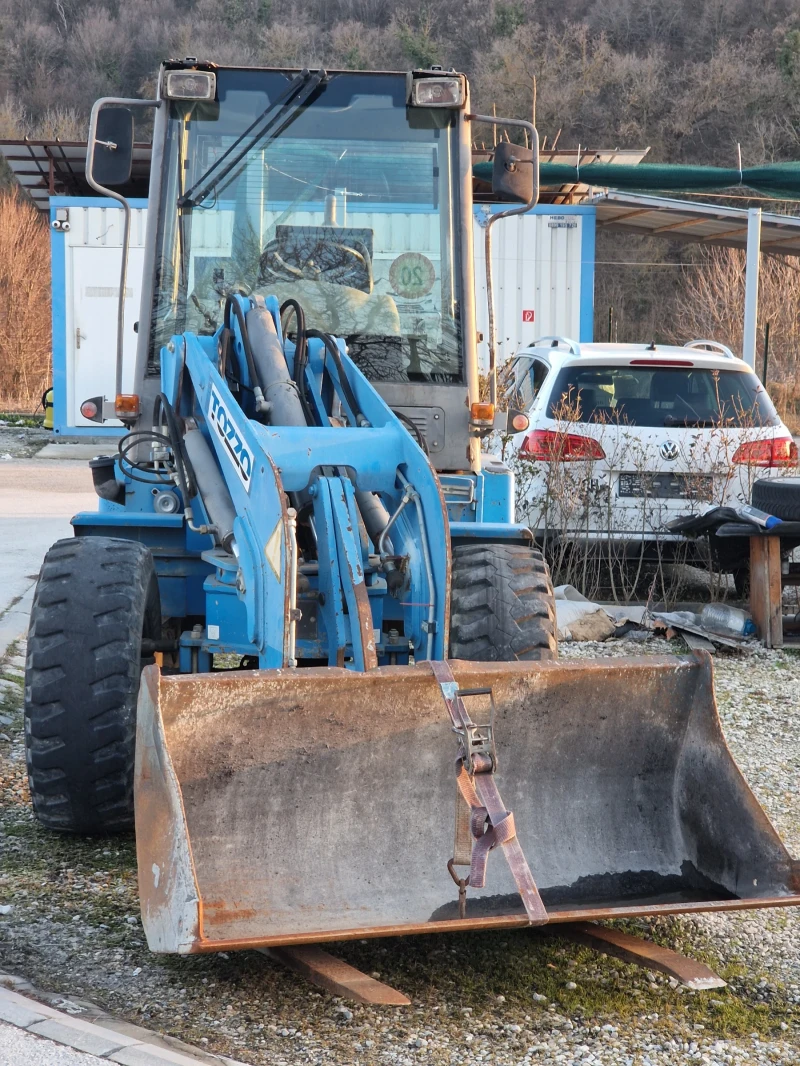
(86, 1036)
(19, 1048)
(37, 499)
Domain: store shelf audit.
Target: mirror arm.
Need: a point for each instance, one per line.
(114, 101)
(495, 217)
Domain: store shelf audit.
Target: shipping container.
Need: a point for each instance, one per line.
(543, 268)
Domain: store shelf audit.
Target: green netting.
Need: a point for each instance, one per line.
(774, 179)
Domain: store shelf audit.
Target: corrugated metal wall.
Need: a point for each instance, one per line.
(543, 277)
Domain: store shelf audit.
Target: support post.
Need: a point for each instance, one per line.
(751, 286)
(766, 583)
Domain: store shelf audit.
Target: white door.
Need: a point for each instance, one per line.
(92, 333)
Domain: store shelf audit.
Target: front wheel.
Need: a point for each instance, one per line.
(501, 604)
(97, 598)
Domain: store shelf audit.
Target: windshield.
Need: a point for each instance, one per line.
(347, 204)
(661, 396)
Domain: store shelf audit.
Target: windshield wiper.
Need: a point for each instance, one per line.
(268, 124)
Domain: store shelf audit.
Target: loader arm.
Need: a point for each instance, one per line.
(319, 469)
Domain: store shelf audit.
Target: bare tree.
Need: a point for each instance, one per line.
(710, 305)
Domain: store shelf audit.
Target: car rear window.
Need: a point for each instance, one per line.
(660, 396)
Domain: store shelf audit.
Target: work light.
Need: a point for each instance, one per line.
(190, 85)
(438, 92)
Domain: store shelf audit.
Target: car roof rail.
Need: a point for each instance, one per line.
(556, 342)
(714, 346)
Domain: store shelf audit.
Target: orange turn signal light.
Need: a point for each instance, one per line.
(482, 413)
(126, 406)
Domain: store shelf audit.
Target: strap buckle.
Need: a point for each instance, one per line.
(478, 751)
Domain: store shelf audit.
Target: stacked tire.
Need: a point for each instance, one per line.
(779, 497)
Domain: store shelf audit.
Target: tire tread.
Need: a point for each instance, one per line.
(502, 605)
(95, 599)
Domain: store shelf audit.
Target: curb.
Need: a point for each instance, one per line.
(14, 620)
(86, 1027)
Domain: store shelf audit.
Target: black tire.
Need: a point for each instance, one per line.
(779, 497)
(96, 599)
(501, 604)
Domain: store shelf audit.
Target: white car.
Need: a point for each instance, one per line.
(625, 437)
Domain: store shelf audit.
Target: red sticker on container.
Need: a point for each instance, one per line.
(528, 316)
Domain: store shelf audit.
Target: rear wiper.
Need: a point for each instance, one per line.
(695, 423)
(268, 124)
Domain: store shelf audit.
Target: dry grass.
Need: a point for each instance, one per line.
(25, 337)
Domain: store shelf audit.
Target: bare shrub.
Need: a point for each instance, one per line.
(710, 305)
(24, 303)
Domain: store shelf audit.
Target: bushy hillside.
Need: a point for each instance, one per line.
(690, 79)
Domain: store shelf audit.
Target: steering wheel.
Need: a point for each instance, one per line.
(332, 261)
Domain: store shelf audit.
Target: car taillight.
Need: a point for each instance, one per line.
(553, 447)
(780, 451)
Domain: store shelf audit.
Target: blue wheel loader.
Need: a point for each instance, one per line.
(302, 642)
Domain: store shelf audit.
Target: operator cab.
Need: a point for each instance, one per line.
(349, 204)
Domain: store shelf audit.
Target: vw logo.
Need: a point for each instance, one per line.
(669, 450)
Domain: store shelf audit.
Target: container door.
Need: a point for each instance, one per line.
(92, 340)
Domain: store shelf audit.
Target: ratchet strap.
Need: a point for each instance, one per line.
(482, 821)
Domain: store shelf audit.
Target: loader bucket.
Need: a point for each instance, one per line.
(298, 806)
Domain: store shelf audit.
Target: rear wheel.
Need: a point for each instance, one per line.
(501, 604)
(97, 598)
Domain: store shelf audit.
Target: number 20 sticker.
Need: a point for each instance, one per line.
(528, 316)
(412, 275)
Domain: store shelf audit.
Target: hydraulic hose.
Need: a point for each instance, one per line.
(232, 304)
(300, 354)
(336, 355)
(183, 465)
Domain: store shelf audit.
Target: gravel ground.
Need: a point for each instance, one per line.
(18, 441)
(500, 998)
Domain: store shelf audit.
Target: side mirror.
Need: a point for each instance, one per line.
(512, 172)
(113, 146)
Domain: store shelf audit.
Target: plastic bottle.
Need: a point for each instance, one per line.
(720, 618)
(761, 518)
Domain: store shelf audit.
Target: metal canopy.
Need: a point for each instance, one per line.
(680, 220)
(56, 168)
(560, 194)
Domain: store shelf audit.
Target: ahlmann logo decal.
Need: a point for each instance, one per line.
(225, 428)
